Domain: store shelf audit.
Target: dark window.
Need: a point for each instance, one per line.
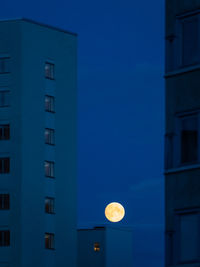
(49, 205)
(49, 103)
(4, 165)
(4, 238)
(4, 131)
(189, 240)
(96, 247)
(4, 98)
(4, 202)
(49, 70)
(190, 40)
(189, 140)
(49, 136)
(4, 64)
(169, 151)
(49, 241)
(49, 169)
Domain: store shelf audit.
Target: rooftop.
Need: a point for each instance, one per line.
(40, 24)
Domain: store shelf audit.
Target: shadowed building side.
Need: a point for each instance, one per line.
(182, 147)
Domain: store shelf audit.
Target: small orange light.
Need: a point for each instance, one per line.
(96, 247)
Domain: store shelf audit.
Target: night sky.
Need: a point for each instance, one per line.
(121, 110)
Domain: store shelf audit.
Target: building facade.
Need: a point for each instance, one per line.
(182, 150)
(37, 145)
(105, 247)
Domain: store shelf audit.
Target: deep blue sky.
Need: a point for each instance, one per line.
(121, 110)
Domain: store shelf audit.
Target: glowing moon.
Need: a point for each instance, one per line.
(114, 212)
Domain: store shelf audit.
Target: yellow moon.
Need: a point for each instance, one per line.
(114, 212)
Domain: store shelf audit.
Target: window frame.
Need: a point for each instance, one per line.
(4, 91)
(50, 174)
(3, 165)
(50, 243)
(4, 238)
(51, 137)
(50, 210)
(4, 201)
(52, 104)
(177, 235)
(3, 128)
(50, 73)
(5, 69)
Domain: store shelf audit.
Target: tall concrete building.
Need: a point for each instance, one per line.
(182, 166)
(37, 145)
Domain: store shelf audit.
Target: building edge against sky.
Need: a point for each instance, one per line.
(182, 150)
(38, 117)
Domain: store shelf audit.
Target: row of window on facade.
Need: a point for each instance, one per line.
(49, 167)
(5, 239)
(49, 68)
(182, 244)
(183, 145)
(49, 134)
(49, 206)
(184, 45)
(5, 100)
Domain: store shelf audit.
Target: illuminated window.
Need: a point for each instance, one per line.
(4, 65)
(49, 103)
(4, 201)
(4, 131)
(4, 98)
(4, 165)
(49, 205)
(49, 136)
(49, 71)
(96, 247)
(4, 238)
(49, 241)
(49, 169)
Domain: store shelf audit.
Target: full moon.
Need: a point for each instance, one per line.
(114, 212)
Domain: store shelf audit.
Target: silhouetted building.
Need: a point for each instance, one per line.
(37, 145)
(105, 247)
(182, 166)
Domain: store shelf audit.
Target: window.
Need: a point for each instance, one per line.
(49, 70)
(4, 98)
(96, 247)
(49, 205)
(4, 131)
(49, 103)
(49, 136)
(189, 40)
(4, 165)
(188, 242)
(49, 169)
(49, 241)
(4, 202)
(4, 238)
(4, 65)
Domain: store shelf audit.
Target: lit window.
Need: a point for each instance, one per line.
(4, 131)
(4, 238)
(4, 65)
(96, 247)
(49, 241)
(49, 169)
(49, 136)
(4, 165)
(49, 103)
(49, 205)
(4, 98)
(4, 201)
(49, 70)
